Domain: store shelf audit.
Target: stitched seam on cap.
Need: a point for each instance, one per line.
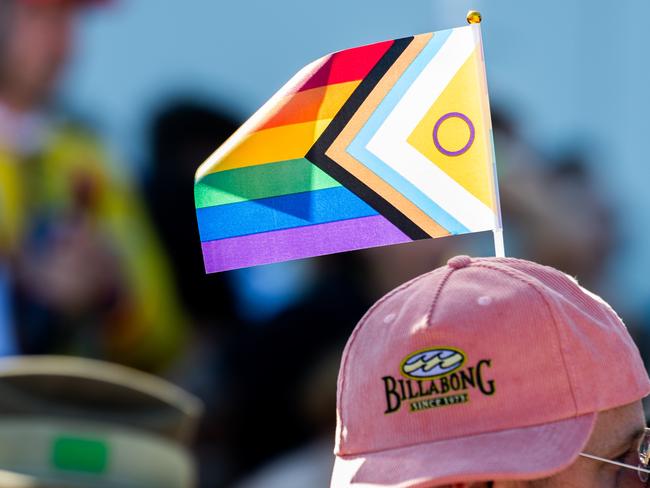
(442, 283)
(523, 278)
(355, 332)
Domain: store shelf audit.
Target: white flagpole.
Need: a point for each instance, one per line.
(474, 17)
(499, 247)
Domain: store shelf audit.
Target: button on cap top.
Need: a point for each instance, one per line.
(458, 262)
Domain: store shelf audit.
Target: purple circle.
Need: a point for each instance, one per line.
(463, 149)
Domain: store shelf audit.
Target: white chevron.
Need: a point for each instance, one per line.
(390, 141)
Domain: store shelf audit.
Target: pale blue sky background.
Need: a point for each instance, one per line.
(572, 76)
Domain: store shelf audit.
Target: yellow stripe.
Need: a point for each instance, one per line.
(272, 145)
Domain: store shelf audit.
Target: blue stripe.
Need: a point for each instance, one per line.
(357, 148)
(284, 212)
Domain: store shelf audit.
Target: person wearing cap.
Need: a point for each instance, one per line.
(491, 372)
(87, 274)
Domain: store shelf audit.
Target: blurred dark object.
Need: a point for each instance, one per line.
(76, 422)
(280, 381)
(310, 464)
(553, 211)
(260, 373)
(182, 136)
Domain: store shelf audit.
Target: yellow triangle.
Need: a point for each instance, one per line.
(473, 168)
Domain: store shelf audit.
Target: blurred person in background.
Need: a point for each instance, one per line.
(281, 376)
(553, 211)
(86, 274)
(311, 463)
(183, 132)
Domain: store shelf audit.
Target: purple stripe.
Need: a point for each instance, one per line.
(300, 242)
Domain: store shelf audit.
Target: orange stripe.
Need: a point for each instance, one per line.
(272, 145)
(314, 104)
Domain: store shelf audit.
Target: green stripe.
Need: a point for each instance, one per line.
(262, 181)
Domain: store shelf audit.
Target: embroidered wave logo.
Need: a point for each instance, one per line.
(436, 377)
(431, 363)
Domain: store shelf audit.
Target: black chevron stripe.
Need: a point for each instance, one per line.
(318, 157)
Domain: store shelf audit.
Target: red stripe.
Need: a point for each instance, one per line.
(349, 65)
(305, 106)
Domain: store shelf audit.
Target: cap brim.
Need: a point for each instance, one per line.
(524, 453)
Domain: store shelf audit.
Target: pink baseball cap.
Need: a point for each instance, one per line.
(483, 369)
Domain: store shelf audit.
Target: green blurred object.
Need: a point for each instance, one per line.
(78, 454)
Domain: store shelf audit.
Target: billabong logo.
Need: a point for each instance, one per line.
(431, 363)
(436, 377)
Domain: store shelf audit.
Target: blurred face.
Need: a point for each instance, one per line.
(37, 45)
(616, 437)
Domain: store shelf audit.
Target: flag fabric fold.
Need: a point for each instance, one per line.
(375, 145)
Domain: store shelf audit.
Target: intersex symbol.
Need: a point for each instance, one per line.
(463, 149)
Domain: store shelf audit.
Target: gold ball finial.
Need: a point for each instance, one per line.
(474, 17)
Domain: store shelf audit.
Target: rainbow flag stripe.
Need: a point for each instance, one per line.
(375, 145)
